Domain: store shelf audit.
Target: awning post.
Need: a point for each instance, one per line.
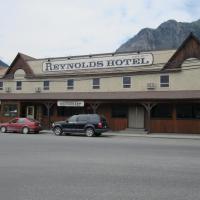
(148, 107)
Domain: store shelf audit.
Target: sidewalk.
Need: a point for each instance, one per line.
(151, 135)
(155, 135)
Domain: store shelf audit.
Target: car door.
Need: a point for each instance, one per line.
(81, 122)
(20, 124)
(12, 125)
(70, 125)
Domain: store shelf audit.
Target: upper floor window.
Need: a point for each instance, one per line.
(18, 85)
(164, 81)
(126, 82)
(96, 83)
(46, 85)
(70, 84)
(1, 85)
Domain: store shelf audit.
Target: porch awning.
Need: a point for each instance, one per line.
(147, 95)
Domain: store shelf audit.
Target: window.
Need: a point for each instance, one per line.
(72, 119)
(1, 85)
(164, 81)
(162, 111)
(126, 82)
(18, 85)
(70, 84)
(10, 110)
(21, 121)
(13, 121)
(119, 111)
(188, 111)
(96, 83)
(68, 111)
(45, 110)
(46, 85)
(83, 118)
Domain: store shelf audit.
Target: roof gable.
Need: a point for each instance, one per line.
(19, 63)
(190, 48)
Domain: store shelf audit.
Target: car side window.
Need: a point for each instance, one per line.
(94, 118)
(72, 119)
(21, 121)
(13, 121)
(82, 118)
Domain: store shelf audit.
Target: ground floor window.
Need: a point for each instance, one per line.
(119, 111)
(188, 111)
(162, 111)
(45, 110)
(10, 110)
(69, 111)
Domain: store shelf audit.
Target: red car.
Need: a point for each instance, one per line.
(21, 125)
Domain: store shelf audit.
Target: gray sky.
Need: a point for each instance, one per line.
(51, 28)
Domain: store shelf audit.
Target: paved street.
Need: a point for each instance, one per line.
(48, 167)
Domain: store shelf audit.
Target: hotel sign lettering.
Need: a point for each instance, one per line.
(133, 60)
(70, 103)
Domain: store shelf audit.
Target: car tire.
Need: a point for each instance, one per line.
(3, 129)
(25, 130)
(57, 131)
(89, 132)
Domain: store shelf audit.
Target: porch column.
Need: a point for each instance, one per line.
(48, 107)
(94, 106)
(148, 107)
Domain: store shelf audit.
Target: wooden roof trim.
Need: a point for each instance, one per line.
(20, 62)
(177, 59)
(143, 95)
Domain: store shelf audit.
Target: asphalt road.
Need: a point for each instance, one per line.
(47, 167)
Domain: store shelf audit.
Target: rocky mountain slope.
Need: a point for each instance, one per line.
(2, 64)
(169, 35)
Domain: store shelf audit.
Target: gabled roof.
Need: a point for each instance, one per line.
(26, 57)
(190, 48)
(20, 62)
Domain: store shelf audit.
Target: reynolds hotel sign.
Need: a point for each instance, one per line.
(85, 63)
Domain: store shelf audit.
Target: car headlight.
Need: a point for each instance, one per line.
(53, 124)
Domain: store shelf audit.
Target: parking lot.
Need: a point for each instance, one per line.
(48, 167)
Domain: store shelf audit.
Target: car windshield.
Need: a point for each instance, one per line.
(72, 119)
(32, 120)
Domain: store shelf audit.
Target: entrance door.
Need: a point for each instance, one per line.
(136, 117)
(30, 112)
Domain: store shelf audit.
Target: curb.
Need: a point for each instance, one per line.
(155, 135)
(152, 135)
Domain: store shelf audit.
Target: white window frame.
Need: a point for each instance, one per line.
(164, 84)
(126, 85)
(18, 87)
(46, 87)
(70, 87)
(96, 86)
(1, 85)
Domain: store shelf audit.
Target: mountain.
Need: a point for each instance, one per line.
(169, 35)
(2, 64)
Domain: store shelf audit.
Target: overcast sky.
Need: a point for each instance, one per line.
(51, 28)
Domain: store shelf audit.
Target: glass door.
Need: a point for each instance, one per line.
(30, 112)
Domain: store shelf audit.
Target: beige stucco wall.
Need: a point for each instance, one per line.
(187, 79)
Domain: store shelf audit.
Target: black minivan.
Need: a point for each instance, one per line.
(89, 124)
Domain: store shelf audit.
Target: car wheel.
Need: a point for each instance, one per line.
(89, 132)
(57, 131)
(3, 129)
(25, 130)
